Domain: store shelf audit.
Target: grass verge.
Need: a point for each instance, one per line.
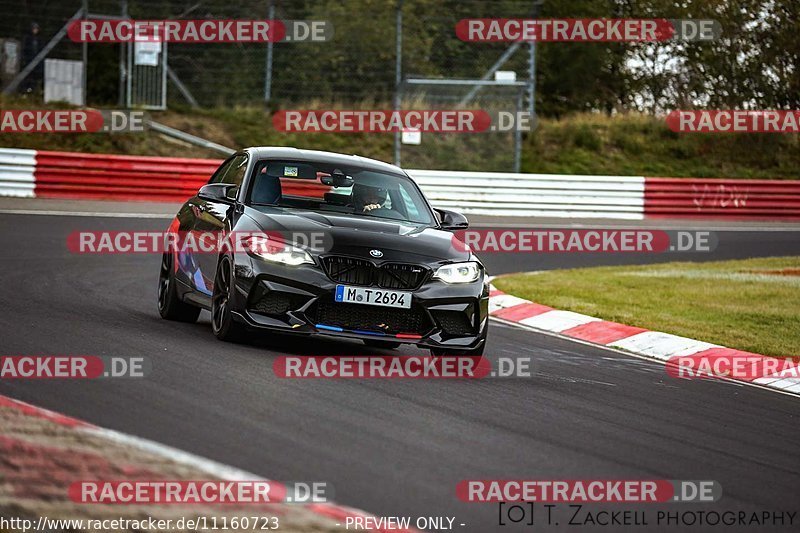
(751, 304)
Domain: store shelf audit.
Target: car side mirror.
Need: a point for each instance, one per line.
(451, 220)
(219, 192)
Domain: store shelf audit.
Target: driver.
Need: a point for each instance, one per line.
(367, 198)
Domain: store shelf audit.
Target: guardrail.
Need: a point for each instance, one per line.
(120, 177)
(188, 137)
(535, 195)
(16, 172)
(685, 197)
(99, 176)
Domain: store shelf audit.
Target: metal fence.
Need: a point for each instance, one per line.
(357, 66)
(377, 47)
(486, 150)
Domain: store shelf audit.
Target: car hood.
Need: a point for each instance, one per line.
(360, 235)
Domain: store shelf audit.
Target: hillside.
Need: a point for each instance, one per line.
(576, 144)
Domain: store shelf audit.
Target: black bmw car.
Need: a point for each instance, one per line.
(334, 245)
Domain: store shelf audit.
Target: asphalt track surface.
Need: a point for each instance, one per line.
(393, 448)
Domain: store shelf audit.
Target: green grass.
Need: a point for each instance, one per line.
(589, 143)
(744, 304)
(635, 144)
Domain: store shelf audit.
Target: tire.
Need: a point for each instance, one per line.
(222, 323)
(170, 306)
(385, 345)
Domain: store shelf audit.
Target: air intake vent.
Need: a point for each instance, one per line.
(363, 272)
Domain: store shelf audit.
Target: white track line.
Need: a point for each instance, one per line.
(213, 468)
(208, 466)
(635, 355)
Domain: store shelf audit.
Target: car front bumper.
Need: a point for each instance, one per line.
(300, 300)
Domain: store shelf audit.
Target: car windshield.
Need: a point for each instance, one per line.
(337, 189)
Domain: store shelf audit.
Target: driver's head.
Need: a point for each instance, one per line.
(367, 194)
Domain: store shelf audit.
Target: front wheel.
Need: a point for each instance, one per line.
(170, 306)
(222, 323)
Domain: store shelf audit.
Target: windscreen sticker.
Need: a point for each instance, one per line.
(290, 172)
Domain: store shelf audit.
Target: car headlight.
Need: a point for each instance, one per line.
(458, 272)
(277, 251)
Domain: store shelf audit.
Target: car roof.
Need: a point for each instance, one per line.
(296, 154)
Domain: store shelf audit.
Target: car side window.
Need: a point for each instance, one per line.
(411, 208)
(235, 172)
(231, 171)
(219, 174)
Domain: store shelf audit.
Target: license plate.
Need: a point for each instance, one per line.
(369, 296)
